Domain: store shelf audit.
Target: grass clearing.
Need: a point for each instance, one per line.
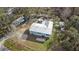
(15, 44)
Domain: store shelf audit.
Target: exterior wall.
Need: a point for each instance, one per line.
(39, 34)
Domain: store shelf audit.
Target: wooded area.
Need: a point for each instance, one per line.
(68, 39)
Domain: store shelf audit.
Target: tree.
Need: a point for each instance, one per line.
(71, 41)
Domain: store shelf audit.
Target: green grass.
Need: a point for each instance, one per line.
(18, 45)
(10, 45)
(49, 42)
(36, 46)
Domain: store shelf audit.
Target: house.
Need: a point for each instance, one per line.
(10, 11)
(42, 28)
(21, 20)
(62, 24)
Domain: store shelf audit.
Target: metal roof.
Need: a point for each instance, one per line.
(18, 21)
(42, 28)
(61, 23)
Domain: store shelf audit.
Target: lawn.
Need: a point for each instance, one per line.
(19, 45)
(35, 46)
(14, 45)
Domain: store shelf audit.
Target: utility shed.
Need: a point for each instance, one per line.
(42, 28)
(21, 20)
(61, 23)
(10, 11)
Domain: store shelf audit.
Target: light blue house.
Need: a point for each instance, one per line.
(42, 28)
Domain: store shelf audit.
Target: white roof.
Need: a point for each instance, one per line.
(42, 28)
(18, 21)
(61, 23)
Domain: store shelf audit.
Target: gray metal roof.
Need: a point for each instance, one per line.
(42, 28)
(18, 21)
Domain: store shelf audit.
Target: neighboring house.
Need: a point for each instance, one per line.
(21, 20)
(62, 24)
(10, 11)
(42, 28)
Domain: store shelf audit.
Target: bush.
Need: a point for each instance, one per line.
(50, 41)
